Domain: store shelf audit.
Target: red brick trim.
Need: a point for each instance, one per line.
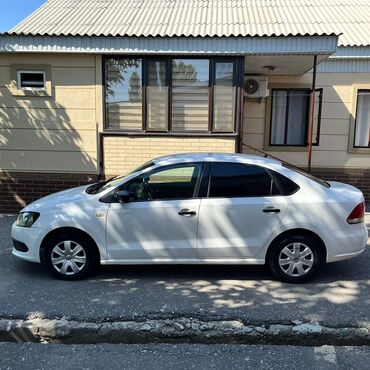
(17, 189)
(20, 188)
(360, 178)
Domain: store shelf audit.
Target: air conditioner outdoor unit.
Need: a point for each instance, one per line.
(256, 86)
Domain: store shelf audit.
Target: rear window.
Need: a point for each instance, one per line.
(230, 180)
(286, 186)
(308, 175)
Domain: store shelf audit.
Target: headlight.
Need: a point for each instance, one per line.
(27, 219)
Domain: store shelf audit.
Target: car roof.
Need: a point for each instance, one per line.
(214, 157)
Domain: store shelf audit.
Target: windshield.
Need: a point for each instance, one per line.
(113, 181)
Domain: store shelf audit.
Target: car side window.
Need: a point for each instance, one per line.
(170, 182)
(287, 186)
(232, 180)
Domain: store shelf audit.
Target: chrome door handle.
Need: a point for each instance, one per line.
(271, 210)
(186, 212)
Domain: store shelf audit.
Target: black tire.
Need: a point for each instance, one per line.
(275, 253)
(89, 253)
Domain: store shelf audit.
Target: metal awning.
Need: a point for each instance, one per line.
(324, 45)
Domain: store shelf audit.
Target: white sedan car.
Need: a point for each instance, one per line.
(196, 209)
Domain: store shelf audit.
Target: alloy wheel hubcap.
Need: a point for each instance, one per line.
(296, 259)
(68, 257)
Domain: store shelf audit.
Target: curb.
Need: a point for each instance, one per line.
(181, 330)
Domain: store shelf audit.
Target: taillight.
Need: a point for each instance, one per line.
(357, 215)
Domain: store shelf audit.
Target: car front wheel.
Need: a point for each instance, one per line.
(70, 256)
(295, 259)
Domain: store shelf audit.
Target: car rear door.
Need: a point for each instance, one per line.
(241, 211)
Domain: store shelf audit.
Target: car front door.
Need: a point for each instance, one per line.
(242, 210)
(160, 221)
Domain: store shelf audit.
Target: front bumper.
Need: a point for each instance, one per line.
(31, 237)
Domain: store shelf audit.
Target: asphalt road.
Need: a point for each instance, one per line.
(177, 357)
(339, 295)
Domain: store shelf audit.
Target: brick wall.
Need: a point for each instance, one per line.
(122, 154)
(17, 189)
(360, 178)
(20, 188)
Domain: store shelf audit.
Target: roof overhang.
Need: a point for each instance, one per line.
(281, 65)
(324, 45)
(352, 52)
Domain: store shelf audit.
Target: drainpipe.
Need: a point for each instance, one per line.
(312, 113)
(239, 140)
(101, 174)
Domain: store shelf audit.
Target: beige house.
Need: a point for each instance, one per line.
(94, 88)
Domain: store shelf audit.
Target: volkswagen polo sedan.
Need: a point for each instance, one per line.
(196, 209)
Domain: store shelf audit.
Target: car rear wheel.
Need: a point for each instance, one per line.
(295, 259)
(70, 256)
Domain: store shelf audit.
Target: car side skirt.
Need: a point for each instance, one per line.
(210, 261)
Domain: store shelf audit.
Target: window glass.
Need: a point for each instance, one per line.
(230, 180)
(157, 96)
(289, 117)
(286, 185)
(170, 95)
(114, 181)
(224, 97)
(171, 183)
(31, 80)
(362, 126)
(124, 93)
(190, 90)
(142, 167)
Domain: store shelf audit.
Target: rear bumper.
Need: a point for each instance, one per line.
(27, 242)
(347, 256)
(348, 243)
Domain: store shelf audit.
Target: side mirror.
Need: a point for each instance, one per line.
(123, 196)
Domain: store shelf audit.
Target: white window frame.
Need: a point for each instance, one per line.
(357, 116)
(352, 149)
(290, 148)
(19, 85)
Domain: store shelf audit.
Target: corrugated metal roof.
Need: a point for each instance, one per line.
(213, 18)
